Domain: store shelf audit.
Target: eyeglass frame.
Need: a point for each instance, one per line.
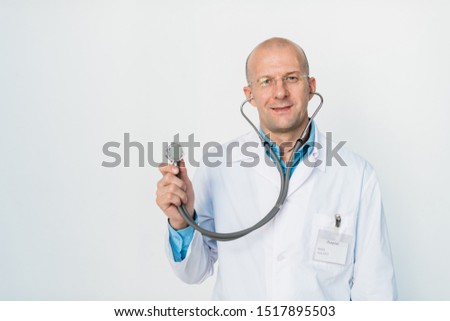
(275, 80)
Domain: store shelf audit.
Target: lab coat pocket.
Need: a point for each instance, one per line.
(332, 241)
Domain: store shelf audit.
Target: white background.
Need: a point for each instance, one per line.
(77, 74)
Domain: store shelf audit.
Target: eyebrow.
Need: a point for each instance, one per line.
(286, 74)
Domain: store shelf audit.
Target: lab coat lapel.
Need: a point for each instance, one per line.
(314, 162)
(267, 168)
(300, 175)
(264, 165)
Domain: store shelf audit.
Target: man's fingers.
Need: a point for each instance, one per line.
(168, 168)
(170, 173)
(170, 179)
(172, 199)
(173, 190)
(173, 169)
(171, 194)
(183, 170)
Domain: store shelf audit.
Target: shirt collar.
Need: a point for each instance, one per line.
(305, 150)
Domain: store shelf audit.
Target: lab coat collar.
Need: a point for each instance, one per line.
(265, 166)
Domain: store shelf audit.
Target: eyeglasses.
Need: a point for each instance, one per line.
(266, 83)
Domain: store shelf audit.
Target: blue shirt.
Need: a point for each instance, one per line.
(306, 149)
(181, 239)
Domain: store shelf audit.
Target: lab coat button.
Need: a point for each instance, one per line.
(280, 257)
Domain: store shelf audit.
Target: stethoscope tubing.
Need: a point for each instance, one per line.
(284, 183)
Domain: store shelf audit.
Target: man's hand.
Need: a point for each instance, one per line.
(172, 191)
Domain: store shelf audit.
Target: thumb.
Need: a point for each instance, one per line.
(183, 171)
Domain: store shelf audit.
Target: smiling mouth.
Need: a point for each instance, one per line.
(281, 109)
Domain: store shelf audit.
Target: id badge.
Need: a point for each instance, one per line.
(332, 247)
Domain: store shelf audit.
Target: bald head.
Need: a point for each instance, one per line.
(277, 43)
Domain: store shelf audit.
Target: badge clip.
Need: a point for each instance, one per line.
(338, 220)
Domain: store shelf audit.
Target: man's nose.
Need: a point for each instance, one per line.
(280, 89)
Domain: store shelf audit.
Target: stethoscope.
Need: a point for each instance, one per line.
(174, 154)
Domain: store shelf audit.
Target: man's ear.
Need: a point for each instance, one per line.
(312, 87)
(248, 94)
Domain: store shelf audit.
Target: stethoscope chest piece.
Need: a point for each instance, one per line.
(174, 153)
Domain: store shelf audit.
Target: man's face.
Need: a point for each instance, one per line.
(280, 89)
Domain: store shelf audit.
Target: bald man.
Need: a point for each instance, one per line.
(329, 240)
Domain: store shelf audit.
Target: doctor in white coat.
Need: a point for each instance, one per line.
(329, 240)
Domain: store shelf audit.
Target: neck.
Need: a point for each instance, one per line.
(287, 140)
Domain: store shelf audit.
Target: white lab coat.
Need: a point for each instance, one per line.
(276, 261)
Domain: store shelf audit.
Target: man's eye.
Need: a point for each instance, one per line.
(291, 79)
(265, 82)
